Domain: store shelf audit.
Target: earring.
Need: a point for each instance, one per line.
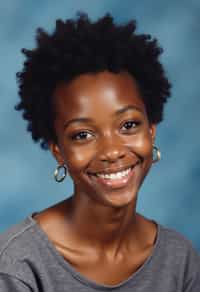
(158, 154)
(60, 173)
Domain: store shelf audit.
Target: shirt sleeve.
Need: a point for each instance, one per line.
(9, 283)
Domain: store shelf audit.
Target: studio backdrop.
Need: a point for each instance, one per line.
(170, 193)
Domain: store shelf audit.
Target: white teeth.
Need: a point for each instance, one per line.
(116, 175)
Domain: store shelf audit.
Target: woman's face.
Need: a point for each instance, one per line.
(104, 136)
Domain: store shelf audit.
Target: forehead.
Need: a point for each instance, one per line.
(97, 91)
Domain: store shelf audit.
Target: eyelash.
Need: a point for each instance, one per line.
(137, 123)
(74, 137)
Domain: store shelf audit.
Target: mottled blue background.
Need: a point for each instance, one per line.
(170, 193)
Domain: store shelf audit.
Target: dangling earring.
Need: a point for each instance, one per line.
(60, 177)
(158, 154)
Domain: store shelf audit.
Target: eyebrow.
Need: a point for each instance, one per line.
(88, 120)
(77, 120)
(126, 108)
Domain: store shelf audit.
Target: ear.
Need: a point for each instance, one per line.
(55, 150)
(152, 129)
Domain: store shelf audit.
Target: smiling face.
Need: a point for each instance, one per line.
(104, 136)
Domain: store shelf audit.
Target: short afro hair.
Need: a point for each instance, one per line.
(80, 46)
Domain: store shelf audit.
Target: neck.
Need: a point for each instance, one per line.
(105, 228)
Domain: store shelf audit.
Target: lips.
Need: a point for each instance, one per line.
(114, 175)
(116, 178)
(112, 170)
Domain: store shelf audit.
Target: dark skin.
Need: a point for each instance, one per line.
(97, 229)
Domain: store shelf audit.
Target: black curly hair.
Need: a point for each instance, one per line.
(81, 46)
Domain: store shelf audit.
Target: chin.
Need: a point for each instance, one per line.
(121, 198)
(118, 193)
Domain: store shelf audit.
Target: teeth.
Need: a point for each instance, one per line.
(116, 175)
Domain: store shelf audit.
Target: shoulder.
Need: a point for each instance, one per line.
(177, 243)
(178, 254)
(17, 240)
(172, 243)
(18, 248)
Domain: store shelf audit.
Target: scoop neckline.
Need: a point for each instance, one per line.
(83, 279)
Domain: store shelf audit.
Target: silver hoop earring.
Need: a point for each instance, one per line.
(60, 173)
(156, 150)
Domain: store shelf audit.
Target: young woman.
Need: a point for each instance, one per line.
(93, 93)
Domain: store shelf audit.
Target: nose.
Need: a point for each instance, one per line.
(111, 152)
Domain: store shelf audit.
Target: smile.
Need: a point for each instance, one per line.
(117, 179)
(115, 175)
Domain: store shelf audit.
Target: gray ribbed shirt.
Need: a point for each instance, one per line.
(30, 262)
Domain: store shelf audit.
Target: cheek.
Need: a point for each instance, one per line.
(143, 147)
(142, 144)
(77, 158)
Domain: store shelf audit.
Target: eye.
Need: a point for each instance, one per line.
(81, 136)
(130, 125)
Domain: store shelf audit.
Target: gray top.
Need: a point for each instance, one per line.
(30, 262)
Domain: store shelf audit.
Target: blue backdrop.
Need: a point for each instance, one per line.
(170, 193)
